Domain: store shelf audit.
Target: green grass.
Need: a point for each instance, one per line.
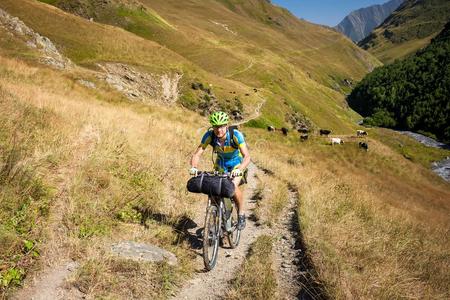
(302, 65)
(51, 2)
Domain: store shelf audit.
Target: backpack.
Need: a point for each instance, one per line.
(231, 129)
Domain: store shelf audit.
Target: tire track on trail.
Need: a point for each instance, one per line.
(296, 276)
(214, 284)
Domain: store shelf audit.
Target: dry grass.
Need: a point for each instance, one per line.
(111, 167)
(272, 196)
(256, 279)
(375, 224)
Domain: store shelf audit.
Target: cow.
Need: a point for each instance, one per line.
(303, 130)
(336, 141)
(270, 128)
(304, 137)
(325, 132)
(364, 145)
(284, 130)
(360, 133)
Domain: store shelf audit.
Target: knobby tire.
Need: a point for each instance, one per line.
(211, 237)
(235, 235)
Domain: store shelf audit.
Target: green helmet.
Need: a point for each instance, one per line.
(218, 118)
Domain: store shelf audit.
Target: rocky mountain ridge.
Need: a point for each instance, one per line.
(410, 28)
(359, 23)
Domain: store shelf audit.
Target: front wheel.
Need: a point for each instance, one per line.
(235, 235)
(211, 237)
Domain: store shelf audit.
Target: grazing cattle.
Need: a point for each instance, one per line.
(284, 130)
(270, 128)
(364, 145)
(361, 133)
(304, 137)
(325, 132)
(303, 130)
(336, 141)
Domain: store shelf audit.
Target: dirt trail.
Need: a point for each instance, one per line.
(213, 284)
(295, 271)
(248, 67)
(287, 251)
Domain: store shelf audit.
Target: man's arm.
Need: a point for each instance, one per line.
(246, 156)
(196, 156)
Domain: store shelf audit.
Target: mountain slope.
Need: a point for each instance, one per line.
(408, 29)
(359, 23)
(412, 94)
(236, 44)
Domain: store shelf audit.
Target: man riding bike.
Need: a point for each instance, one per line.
(232, 155)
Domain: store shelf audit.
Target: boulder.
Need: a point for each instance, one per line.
(143, 252)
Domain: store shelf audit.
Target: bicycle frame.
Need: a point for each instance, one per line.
(214, 232)
(217, 226)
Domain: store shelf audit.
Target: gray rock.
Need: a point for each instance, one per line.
(143, 252)
(442, 168)
(139, 86)
(50, 54)
(87, 83)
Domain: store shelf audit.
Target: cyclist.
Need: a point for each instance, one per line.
(232, 155)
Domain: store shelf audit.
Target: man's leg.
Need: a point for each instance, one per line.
(239, 198)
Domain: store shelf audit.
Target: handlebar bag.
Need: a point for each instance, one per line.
(211, 185)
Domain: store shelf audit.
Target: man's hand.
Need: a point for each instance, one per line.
(193, 171)
(236, 173)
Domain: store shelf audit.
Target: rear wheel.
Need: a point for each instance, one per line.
(235, 235)
(211, 237)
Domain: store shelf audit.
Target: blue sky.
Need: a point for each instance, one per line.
(326, 12)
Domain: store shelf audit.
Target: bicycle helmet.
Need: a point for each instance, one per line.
(218, 118)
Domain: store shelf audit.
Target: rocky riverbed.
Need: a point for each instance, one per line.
(442, 168)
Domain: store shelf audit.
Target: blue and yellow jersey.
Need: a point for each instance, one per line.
(227, 156)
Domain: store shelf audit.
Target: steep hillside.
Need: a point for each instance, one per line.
(408, 29)
(411, 94)
(359, 23)
(294, 64)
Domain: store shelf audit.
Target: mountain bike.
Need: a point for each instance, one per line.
(221, 220)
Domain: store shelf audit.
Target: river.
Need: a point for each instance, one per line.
(442, 168)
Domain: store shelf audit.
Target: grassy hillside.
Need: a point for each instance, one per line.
(375, 223)
(408, 29)
(82, 168)
(294, 62)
